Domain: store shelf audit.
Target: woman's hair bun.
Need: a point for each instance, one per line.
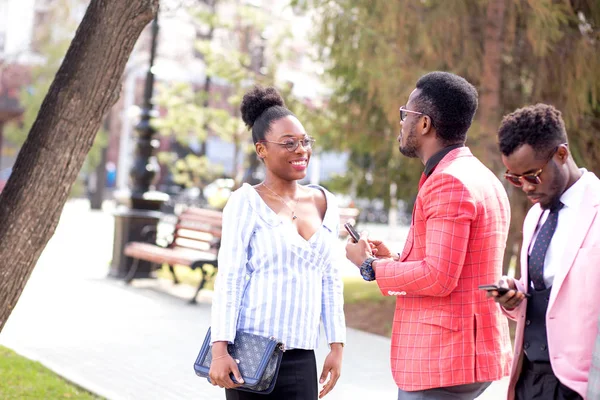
(256, 101)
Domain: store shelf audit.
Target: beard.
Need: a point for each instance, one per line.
(557, 188)
(410, 149)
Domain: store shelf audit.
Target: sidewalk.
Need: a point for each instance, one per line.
(126, 342)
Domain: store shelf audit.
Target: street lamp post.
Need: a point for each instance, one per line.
(137, 216)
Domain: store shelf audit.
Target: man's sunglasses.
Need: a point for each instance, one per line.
(291, 145)
(532, 178)
(404, 113)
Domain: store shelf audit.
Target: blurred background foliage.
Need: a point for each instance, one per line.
(516, 52)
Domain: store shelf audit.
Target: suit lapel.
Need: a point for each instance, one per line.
(528, 230)
(451, 156)
(409, 243)
(585, 216)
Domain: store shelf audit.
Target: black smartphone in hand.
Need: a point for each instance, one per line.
(490, 288)
(352, 232)
(501, 290)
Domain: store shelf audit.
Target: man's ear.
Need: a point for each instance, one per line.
(426, 125)
(563, 154)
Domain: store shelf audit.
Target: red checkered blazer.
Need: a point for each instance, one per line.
(445, 331)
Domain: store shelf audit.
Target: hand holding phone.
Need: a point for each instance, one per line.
(352, 232)
(501, 290)
(489, 288)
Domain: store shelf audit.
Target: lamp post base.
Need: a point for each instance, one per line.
(135, 224)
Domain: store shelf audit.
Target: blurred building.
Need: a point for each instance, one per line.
(22, 21)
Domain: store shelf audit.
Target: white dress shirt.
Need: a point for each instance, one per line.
(273, 282)
(571, 199)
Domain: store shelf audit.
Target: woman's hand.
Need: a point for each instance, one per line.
(332, 367)
(221, 366)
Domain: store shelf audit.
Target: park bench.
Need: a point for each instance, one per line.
(195, 243)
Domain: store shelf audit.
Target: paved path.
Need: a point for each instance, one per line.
(138, 342)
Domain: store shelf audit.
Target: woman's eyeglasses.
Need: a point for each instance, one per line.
(532, 178)
(291, 145)
(404, 113)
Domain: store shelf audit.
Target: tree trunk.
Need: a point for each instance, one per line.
(97, 197)
(489, 105)
(84, 89)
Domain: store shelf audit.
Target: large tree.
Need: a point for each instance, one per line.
(84, 89)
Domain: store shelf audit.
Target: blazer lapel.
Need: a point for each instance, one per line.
(460, 152)
(531, 223)
(585, 216)
(409, 244)
(411, 233)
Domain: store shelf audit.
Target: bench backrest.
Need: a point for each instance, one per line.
(198, 229)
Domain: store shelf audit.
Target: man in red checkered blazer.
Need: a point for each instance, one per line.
(448, 341)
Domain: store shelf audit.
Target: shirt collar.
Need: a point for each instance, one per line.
(573, 196)
(437, 157)
(266, 214)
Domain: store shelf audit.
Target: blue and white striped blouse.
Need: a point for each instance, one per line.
(273, 282)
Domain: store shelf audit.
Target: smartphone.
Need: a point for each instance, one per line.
(501, 290)
(352, 232)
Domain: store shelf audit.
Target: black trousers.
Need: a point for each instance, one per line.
(537, 381)
(297, 379)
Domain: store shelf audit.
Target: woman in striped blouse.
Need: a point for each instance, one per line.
(277, 262)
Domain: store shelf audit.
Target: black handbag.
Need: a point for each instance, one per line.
(258, 360)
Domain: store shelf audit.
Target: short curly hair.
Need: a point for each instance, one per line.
(541, 126)
(450, 101)
(260, 107)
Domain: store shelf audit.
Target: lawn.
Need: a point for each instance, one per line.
(185, 275)
(26, 379)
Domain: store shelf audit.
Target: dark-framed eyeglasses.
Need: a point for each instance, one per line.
(291, 144)
(531, 178)
(404, 113)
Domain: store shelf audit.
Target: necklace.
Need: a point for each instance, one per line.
(293, 210)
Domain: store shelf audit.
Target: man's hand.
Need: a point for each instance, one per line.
(512, 298)
(357, 253)
(332, 367)
(380, 250)
(221, 366)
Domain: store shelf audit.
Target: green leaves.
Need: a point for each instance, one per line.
(376, 50)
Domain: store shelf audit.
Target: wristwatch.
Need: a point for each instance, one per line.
(366, 269)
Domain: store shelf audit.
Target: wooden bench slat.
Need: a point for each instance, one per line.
(202, 236)
(160, 255)
(216, 232)
(192, 244)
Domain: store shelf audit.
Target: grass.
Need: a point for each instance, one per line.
(358, 290)
(185, 275)
(26, 379)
